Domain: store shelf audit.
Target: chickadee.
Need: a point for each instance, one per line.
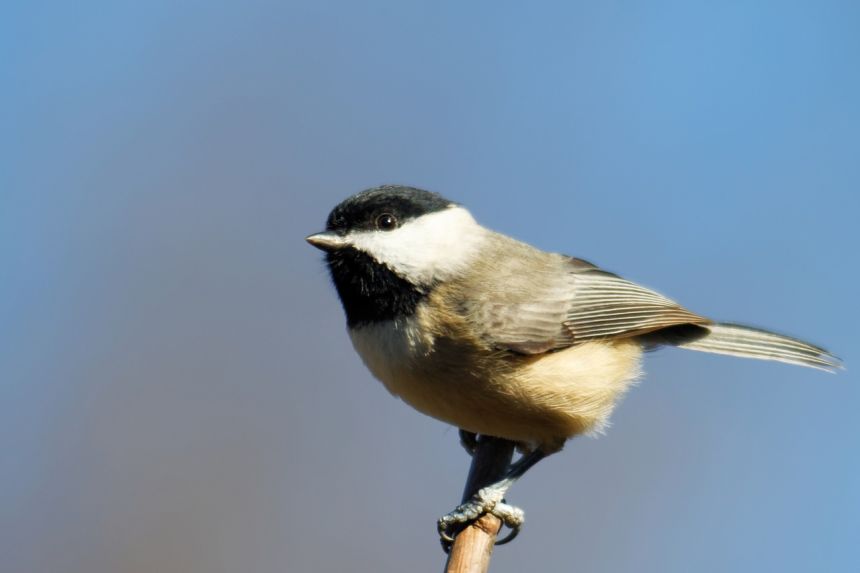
(499, 338)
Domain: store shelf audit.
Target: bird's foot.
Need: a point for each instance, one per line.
(488, 500)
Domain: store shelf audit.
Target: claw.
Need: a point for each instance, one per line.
(490, 499)
(514, 517)
(487, 500)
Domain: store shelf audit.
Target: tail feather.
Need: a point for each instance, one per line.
(739, 340)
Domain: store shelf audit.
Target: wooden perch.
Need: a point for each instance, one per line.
(473, 546)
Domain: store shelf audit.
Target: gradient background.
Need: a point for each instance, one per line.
(178, 393)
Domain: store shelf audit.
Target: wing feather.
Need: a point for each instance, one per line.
(572, 302)
(604, 305)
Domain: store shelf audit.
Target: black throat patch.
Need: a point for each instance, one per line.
(369, 291)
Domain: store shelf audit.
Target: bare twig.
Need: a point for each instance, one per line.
(473, 546)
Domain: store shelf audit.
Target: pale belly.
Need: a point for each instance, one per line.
(540, 400)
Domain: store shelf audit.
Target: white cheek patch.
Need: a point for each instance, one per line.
(432, 247)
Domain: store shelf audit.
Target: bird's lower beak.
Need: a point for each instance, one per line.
(327, 241)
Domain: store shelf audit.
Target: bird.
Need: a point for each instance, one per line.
(499, 338)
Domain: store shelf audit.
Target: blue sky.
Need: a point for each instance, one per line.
(177, 391)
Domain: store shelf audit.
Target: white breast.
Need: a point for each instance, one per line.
(391, 349)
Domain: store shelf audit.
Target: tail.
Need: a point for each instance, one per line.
(748, 342)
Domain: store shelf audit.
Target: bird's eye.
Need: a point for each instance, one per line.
(386, 222)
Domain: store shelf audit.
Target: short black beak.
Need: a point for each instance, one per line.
(327, 241)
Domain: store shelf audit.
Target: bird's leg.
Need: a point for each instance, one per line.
(469, 441)
(490, 499)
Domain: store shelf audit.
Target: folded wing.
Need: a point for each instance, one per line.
(575, 303)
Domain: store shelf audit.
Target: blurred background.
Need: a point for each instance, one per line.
(177, 390)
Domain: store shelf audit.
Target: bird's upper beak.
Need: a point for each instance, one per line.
(327, 241)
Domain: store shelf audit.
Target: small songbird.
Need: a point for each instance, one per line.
(499, 338)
